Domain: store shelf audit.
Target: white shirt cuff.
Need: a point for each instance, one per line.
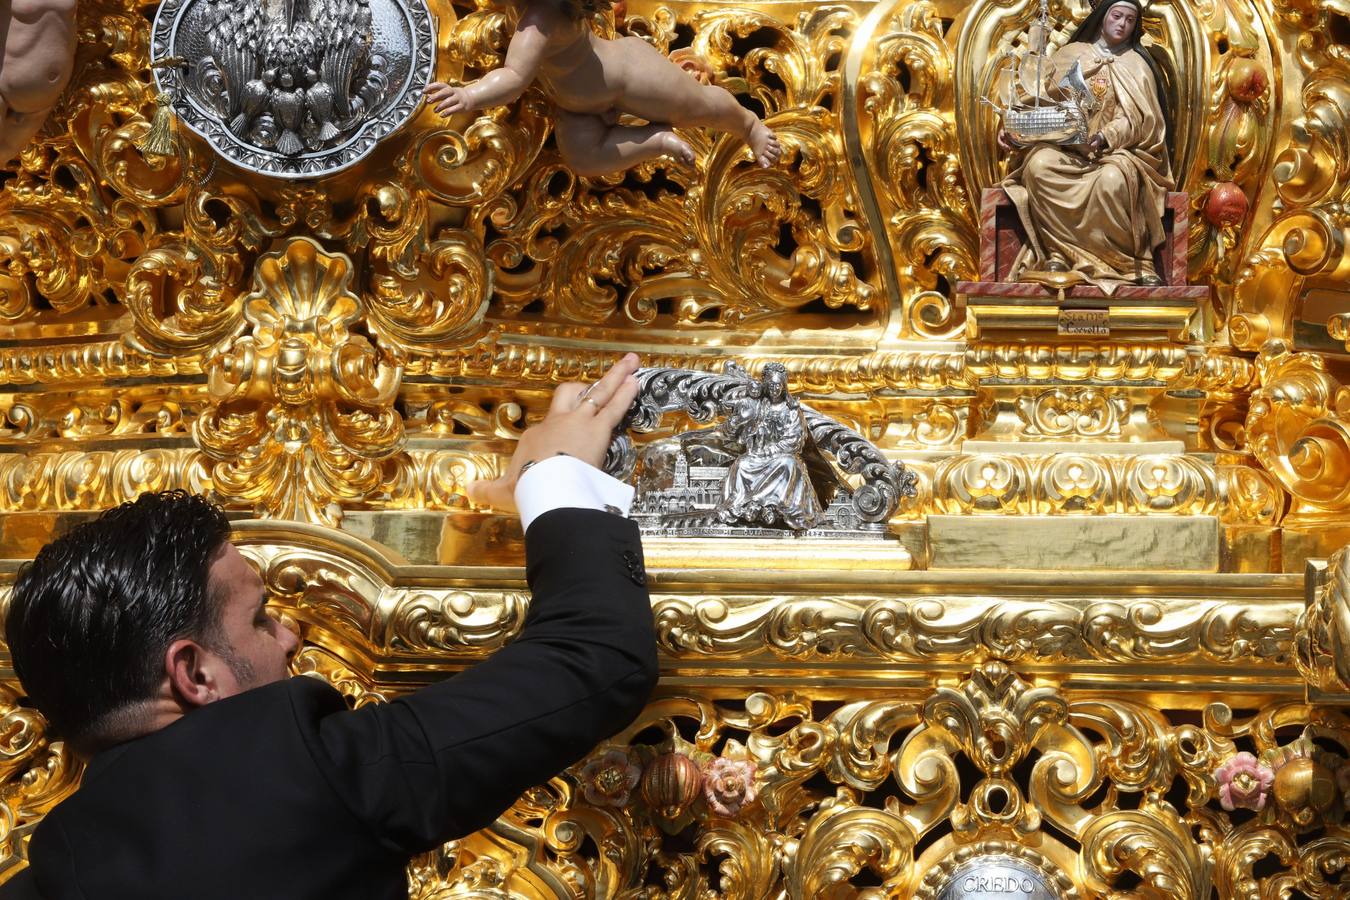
(566, 482)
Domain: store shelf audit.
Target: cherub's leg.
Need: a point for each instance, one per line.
(590, 147)
(717, 108)
(17, 129)
(659, 91)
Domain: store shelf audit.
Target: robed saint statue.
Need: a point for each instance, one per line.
(1096, 207)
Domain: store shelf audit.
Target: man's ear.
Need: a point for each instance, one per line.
(191, 676)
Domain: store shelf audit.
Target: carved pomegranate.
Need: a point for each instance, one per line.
(1226, 205)
(1304, 789)
(671, 783)
(1247, 81)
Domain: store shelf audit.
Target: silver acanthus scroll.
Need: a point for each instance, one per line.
(774, 466)
(295, 88)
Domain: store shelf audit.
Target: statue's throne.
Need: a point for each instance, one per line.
(997, 303)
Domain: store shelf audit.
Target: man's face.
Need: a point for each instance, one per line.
(1118, 25)
(255, 647)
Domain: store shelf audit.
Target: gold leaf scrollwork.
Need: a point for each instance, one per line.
(189, 283)
(302, 413)
(1323, 629)
(37, 773)
(981, 482)
(748, 865)
(98, 479)
(1153, 843)
(320, 588)
(1251, 495)
(442, 303)
(995, 716)
(593, 251)
(1308, 243)
(1298, 427)
(456, 621)
(1086, 412)
(1077, 483)
(913, 163)
(1172, 483)
(947, 629)
(840, 842)
(42, 258)
(355, 687)
(1338, 326)
(425, 292)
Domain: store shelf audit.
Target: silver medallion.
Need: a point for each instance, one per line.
(997, 877)
(295, 88)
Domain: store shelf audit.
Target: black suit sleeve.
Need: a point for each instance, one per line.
(20, 887)
(448, 759)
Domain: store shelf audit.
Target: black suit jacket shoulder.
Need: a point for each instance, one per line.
(282, 792)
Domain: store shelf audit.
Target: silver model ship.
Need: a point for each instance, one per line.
(1040, 119)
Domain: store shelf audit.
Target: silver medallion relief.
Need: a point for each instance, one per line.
(996, 877)
(295, 88)
(773, 467)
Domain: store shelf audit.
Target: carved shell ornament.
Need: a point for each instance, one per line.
(295, 88)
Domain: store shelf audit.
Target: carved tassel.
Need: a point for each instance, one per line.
(162, 138)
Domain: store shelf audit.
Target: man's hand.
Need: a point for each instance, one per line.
(580, 423)
(1006, 142)
(1097, 146)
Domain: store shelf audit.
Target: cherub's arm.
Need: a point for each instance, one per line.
(500, 86)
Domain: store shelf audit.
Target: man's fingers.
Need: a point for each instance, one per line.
(566, 397)
(499, 493)
(613, 411)
(604, 389)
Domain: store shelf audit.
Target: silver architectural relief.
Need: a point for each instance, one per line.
(295, 88)
(773, 467)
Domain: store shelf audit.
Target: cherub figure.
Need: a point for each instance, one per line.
(591, 80)
(39, 55)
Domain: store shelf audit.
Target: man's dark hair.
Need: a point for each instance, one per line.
(93, 613)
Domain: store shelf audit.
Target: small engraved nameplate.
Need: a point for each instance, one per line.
(997, 877)
(1085, 321)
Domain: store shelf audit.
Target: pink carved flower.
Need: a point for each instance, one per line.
(1244, 782)
(729, 785)
(610, 779)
